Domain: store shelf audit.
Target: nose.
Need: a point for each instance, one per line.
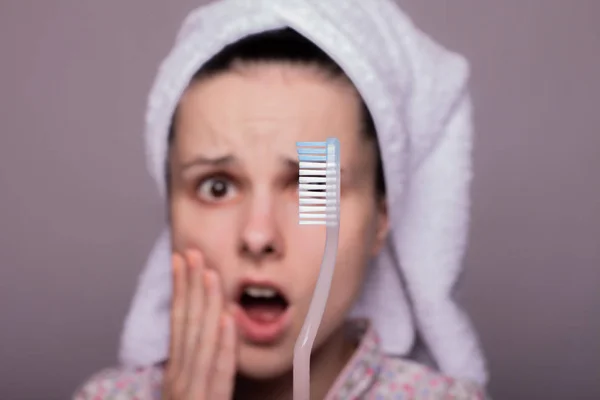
(261, 240)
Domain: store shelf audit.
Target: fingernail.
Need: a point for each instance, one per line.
(194, 257)
(227, 322)
(210, 280)
(176, 262)
(224, 323)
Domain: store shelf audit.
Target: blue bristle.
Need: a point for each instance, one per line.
(312, 151)
(312, 158)
(311, 144)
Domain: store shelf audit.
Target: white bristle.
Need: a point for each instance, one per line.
(312, 200)
(320, 172)
(304, 209)
(311, 179)
(315, 165)
(310, 186)
(321, 216)
(318, 184)
(317, 179)
(310, 194)
(316, 221)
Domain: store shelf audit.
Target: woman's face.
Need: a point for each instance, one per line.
(234, 174)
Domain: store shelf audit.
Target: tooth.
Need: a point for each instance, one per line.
(260, 292)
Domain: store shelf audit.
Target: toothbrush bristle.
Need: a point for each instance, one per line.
(318, 183)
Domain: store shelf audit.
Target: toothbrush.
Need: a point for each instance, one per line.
(319, 204)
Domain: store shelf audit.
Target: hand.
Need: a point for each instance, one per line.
(201, 362)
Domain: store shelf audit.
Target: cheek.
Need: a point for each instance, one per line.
(353, 256)
(210, 230)
(304, 246)
(357, 238)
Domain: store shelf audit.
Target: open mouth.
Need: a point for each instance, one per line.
(262, 312)
(262, 303)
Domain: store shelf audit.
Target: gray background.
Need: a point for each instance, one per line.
(78, 213)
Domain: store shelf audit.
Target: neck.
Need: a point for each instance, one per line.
(325, 366)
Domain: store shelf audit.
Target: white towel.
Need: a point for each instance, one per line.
(417, 93)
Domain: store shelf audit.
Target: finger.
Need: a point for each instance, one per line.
(195, 312)
(210, 331)
(224, 368)
(177, 316)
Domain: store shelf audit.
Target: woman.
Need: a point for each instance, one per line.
(243, 270)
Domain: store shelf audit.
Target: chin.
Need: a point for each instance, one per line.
(264, 363)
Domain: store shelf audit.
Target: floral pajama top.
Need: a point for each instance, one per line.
(370, 374)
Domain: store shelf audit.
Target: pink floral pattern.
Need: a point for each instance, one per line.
(370, 374)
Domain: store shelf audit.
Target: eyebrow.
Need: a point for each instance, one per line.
(291, 163)
(208, 161)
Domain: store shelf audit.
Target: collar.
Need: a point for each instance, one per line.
(363, 369)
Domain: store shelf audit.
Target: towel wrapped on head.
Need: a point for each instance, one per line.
(416, 92)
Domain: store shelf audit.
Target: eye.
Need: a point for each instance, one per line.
(216, 189)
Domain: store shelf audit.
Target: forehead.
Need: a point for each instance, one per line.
(267, 108)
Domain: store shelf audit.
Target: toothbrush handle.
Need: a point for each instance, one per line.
(304, 344)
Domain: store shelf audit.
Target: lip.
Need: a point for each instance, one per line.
(261, 333)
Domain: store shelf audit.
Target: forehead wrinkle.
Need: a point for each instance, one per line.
(252, 128)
